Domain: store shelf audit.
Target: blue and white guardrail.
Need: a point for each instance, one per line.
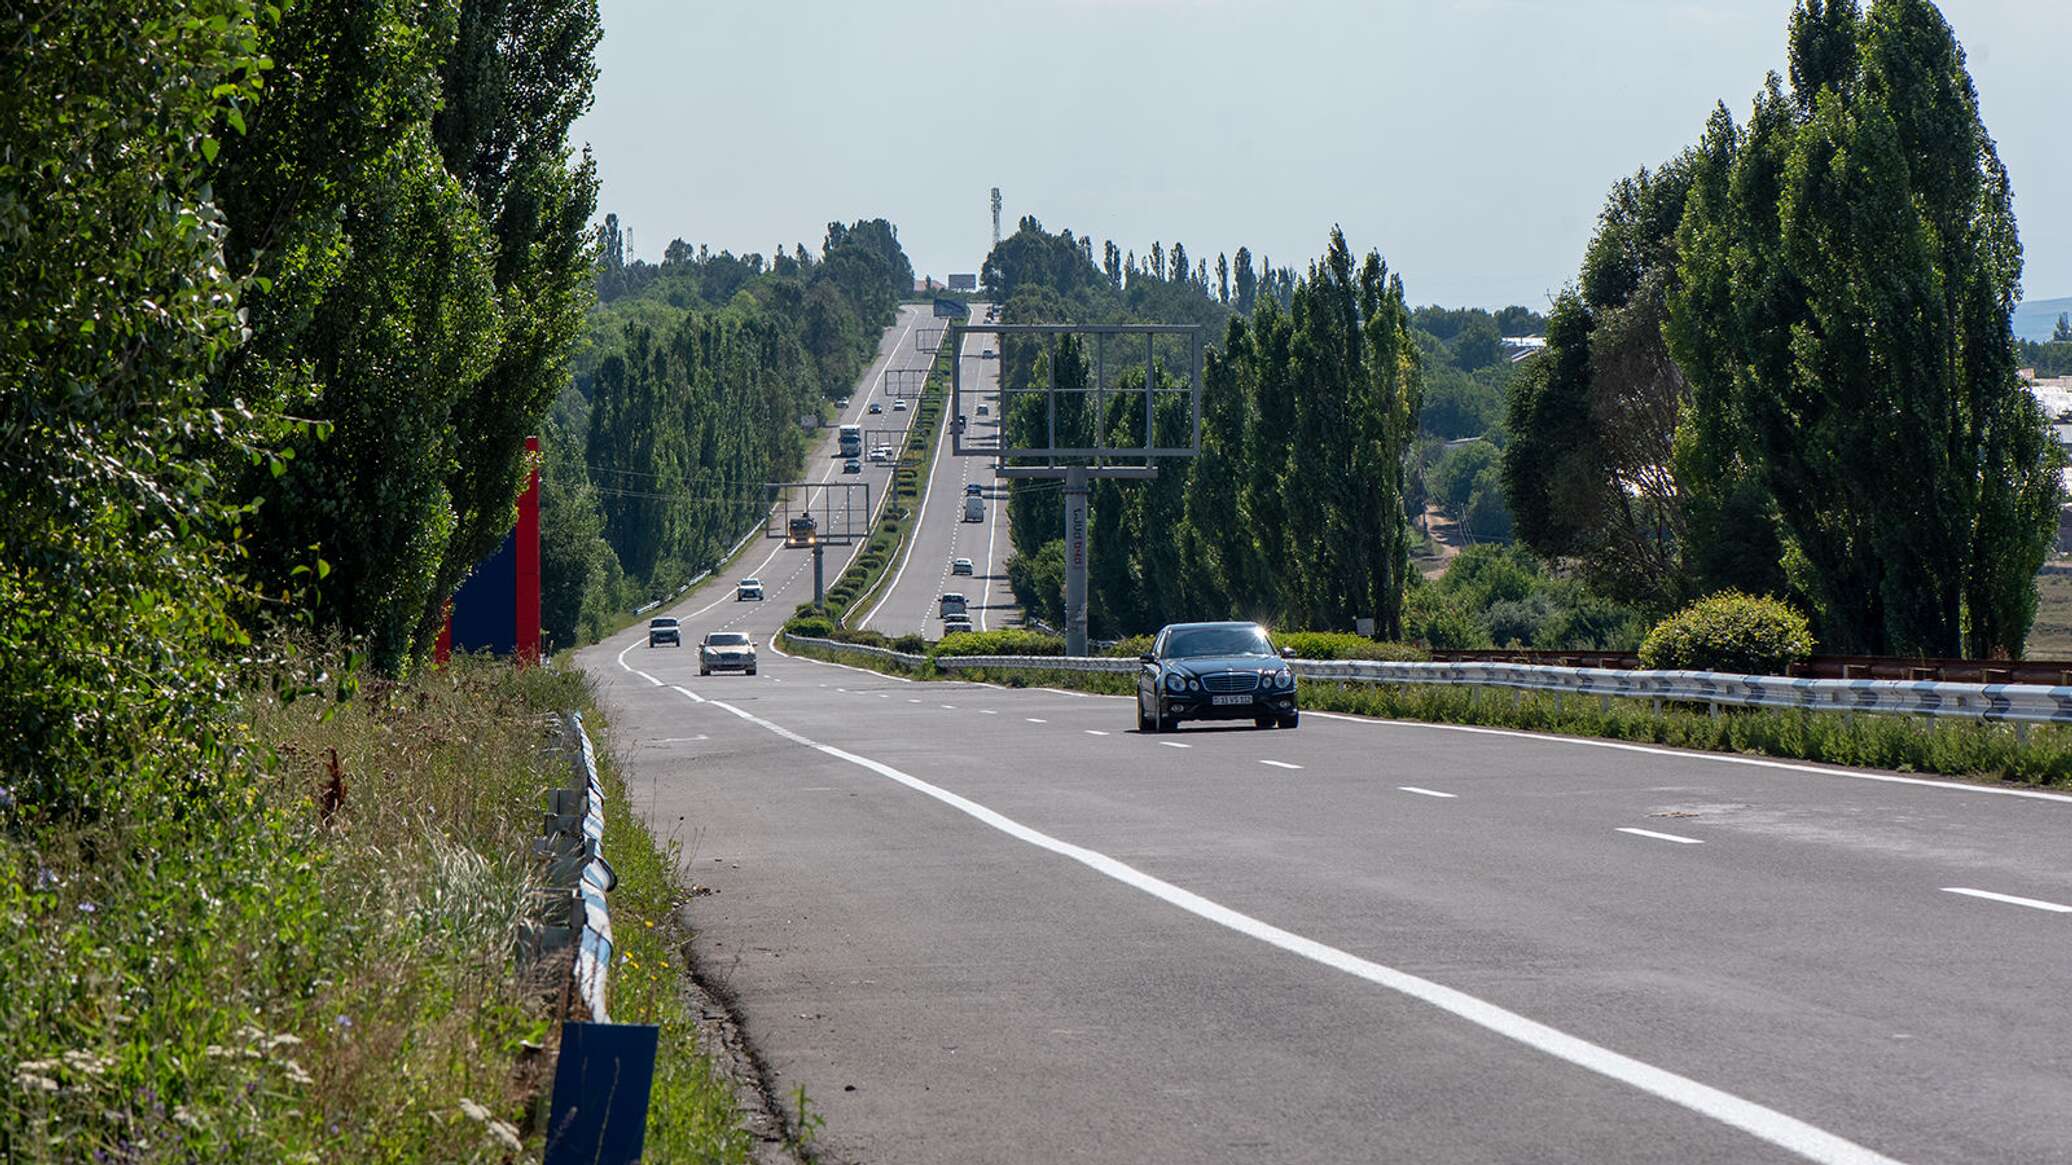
(2009, 703)
(578, 875)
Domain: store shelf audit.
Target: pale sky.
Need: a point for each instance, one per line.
(1470, 141)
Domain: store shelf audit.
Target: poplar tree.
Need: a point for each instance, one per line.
(1847, 285)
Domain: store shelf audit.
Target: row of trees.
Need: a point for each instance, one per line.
(1787, 365)
(1294, 509)
(285, 287)
(689, 399)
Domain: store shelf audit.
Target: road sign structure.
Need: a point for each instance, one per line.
(1112, 426)
(905, 382)
(814, 515)
(928, 341)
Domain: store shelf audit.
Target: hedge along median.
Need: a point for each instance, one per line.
(867, 572)
(1902, 743)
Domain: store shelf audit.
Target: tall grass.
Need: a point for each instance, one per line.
(317, 965)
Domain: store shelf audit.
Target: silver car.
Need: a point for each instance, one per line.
(726, 651)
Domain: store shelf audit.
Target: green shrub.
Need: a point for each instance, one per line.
(811, 626)
(1729, 632)
(1009, 642)
(1345, 645)
(1130, 647)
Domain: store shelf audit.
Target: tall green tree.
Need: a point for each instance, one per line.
(1848, 277)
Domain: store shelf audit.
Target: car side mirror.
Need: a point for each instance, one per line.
(1287, 653)
(1147, 657)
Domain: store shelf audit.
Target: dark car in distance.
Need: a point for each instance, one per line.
(1214, 671)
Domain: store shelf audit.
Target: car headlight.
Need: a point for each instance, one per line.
(1284, 678)
(1175, 682)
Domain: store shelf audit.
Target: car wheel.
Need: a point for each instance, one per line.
(1160, 722)
(704, 671)
(1291, 720)
(1143, 721)
(751, 671)
(1262, 722)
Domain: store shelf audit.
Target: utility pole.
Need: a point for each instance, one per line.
(996, 216)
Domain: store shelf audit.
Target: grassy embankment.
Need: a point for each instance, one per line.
(1998, 752)
(320, 965)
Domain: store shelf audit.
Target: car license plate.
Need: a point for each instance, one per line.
(1231, 700)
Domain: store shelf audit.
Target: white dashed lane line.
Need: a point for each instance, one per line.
(1280, 764)
(2010, 899)
(1661, 836)
(1034, 720)
(1094, 732)
(1175, 744)
(1426, 792)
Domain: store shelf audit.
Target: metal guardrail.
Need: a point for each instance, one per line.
(1993, 703)
(578, 876)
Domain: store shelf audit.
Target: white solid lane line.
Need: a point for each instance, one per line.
(1280, 764)
(1768, 1124)
(648, 678)
(2031, 903)
(1426, 792)
(1095, 732)
(1661, 836)
(1175, 744)
(687, 692)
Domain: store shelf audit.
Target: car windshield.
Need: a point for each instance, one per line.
(661, 622)
(1211, 641)
(727, 639)
(751, 582)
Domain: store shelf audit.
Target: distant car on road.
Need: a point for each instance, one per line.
(663, 629)
(960, 566)
(842, 403)
(852, 466)
(973, 489)
(956, 623)
(881, 454)
(726, 651)
(988, 354)
(953, 603)
(974, 509)
(875, 408)
(983, 410)
(748, 590)
(1214, 671)
(802, 531)
(899, 406)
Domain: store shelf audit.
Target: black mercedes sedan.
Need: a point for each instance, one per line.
(1214, 671)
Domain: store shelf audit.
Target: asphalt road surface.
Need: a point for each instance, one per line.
(912, 600)
(787, 575)
(979, 924)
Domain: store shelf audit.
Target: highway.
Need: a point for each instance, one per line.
(911, 602)
(980, 924)
(787, 575)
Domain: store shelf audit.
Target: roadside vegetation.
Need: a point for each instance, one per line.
(318, 963)
(286, 288)
(700, 378)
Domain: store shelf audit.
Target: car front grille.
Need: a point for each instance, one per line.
(1231, 682)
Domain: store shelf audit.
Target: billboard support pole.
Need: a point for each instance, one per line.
(1076, 490)
(819, 593)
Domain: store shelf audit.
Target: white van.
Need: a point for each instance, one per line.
(974, 509)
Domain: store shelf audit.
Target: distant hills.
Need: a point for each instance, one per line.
(2035, 318)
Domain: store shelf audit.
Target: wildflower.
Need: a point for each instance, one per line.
(473, 1111)
(345, 1021)
(86, 908)
(29, 1078)
(295, 1073)
(6, 797)
(283, 1040)
(182, 1116)
(506, 1135)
